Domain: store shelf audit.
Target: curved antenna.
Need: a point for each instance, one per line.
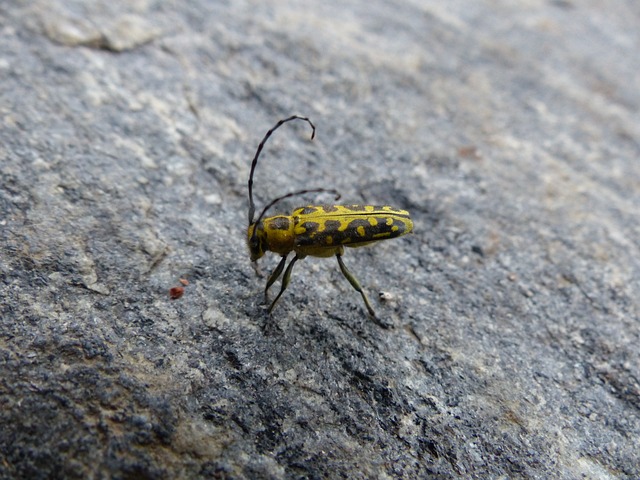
(290, 194)
(252, 206)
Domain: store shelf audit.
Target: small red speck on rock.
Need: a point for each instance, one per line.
(176, 292)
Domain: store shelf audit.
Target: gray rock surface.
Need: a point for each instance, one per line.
(511, 131)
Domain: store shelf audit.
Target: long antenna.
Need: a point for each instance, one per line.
(252, 206)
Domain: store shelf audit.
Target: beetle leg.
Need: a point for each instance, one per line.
(285, 279)
(274, 276)
(355, 284)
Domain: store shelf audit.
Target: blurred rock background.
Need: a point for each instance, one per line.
(510, 131)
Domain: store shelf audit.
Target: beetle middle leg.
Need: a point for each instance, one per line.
(285, 278)
(274, 276)
(355, 284)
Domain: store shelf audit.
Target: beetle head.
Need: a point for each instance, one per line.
(256, 238)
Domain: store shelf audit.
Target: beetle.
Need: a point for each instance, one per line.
(317, 230)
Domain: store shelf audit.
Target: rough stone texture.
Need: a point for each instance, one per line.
(511, 132)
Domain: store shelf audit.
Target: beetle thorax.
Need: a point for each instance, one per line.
(272, 234)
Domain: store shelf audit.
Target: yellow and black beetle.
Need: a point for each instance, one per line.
(318, 230)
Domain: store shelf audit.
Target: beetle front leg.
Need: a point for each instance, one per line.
(285, 279)
(355, 284)
(274, 276)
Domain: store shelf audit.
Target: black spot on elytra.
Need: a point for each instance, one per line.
(331, 225)
(310, 227)
(329, 208)
(308, 211)
(357, 208)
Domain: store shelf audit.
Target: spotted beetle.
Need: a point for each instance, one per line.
(318, 230)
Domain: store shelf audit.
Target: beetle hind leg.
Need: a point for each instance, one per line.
(355, 284)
